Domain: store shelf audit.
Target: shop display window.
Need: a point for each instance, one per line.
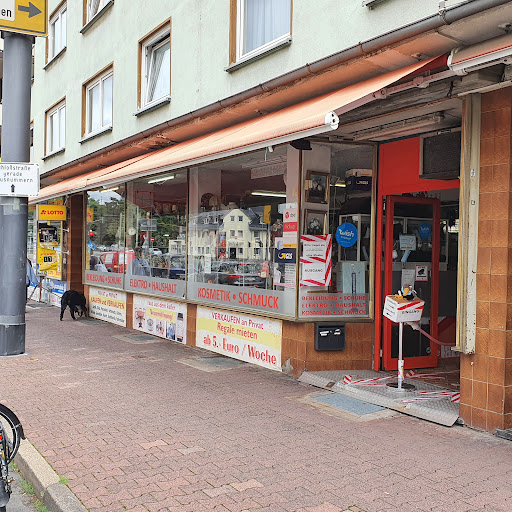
(337, 231)
(156, 234)
(242, 241)
(105, 254)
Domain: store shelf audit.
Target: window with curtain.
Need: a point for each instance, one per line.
(262, 23)
(56, 128)
(57, 35)
(98, 103)
(156, 66)
(93, 7)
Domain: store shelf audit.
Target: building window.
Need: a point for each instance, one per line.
(260, 26)
(240, 233)
(56, 128)
(155, 79)
(98, 103)
(240, 218)
(231, 233)
(93, 7)
(57, 35)
(232, 217)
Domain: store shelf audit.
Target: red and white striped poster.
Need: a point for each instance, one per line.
(316, 260)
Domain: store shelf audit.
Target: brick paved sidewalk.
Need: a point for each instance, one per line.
(136, 429)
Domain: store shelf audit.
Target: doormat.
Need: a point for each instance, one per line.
(426, 401)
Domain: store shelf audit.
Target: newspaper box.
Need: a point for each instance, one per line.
(399, 309)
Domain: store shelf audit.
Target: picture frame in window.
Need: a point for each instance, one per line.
(315, 222)
(316, 187)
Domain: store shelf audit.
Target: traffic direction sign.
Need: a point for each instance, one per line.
(24, 16)
(19, 179)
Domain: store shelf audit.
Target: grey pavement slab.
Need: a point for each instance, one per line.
(135, 429)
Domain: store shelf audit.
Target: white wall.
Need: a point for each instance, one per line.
(199, 55)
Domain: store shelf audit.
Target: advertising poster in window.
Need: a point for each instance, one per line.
(161, 318)
(108, 305)
(49, 249)
(245, 337)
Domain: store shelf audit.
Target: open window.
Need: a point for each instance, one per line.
(155, 66)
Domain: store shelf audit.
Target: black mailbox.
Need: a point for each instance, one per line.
(329, 337)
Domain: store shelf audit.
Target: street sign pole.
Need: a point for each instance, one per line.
(17, 75)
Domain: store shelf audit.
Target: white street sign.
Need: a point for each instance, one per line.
(19, 179)
(7, 9)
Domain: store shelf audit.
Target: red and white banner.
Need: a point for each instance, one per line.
(316, 260)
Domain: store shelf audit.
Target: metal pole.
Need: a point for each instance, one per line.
(400, 359)
(17, 76)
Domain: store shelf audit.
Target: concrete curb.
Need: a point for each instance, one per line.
(48, 488)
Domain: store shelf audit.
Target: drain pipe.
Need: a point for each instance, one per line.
(433, 22)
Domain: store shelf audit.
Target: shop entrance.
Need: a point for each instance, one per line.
(417, 243)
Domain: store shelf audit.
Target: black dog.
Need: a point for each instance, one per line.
(76, 302)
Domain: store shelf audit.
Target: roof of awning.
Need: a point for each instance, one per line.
(311, 117)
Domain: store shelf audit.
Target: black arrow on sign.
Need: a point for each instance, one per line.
(31, 9)
(12, 189)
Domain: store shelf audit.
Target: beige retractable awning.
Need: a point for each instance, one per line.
(311, 117)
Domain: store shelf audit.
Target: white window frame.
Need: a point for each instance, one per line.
(99, 80)
(89, 3)
(154, 42)
(57, 16)
(240, 55)
(58, 112)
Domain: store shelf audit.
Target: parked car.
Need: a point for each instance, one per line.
(241, 274)
(177, 267)
(116, 261)
(154, 251)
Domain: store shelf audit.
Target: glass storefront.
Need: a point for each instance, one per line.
(105, 255)
(337, 234)
(278, 231)
(155, 234)
(236, 220)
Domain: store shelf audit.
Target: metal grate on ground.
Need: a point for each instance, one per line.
(418, 402)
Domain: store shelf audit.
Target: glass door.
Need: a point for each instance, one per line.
(411, 258)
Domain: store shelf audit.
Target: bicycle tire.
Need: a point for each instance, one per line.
(16, 431)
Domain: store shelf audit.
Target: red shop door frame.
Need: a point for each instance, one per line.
(398, 173)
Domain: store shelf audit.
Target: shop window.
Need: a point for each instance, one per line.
(337, 210)
(56, 128)
(156, 234)
(57, 33)
(98, 103)
(262, 280)
(106, 255)
(155, 69)
(261, 26)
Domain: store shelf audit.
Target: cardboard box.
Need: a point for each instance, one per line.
(398, 309)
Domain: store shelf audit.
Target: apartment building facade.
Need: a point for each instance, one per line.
(254, 176)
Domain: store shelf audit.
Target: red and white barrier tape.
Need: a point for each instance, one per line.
(326, 240)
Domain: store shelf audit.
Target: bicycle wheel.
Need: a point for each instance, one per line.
(13, 432)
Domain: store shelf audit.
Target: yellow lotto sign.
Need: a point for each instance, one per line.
(90, 214)
(51, 212)
(47, 259)
(24, 16)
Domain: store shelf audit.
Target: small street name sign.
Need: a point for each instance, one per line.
(19, 179)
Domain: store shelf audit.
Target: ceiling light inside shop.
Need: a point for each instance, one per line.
(109, 189)
(401, 128)
(268, 193)
(163, 178)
